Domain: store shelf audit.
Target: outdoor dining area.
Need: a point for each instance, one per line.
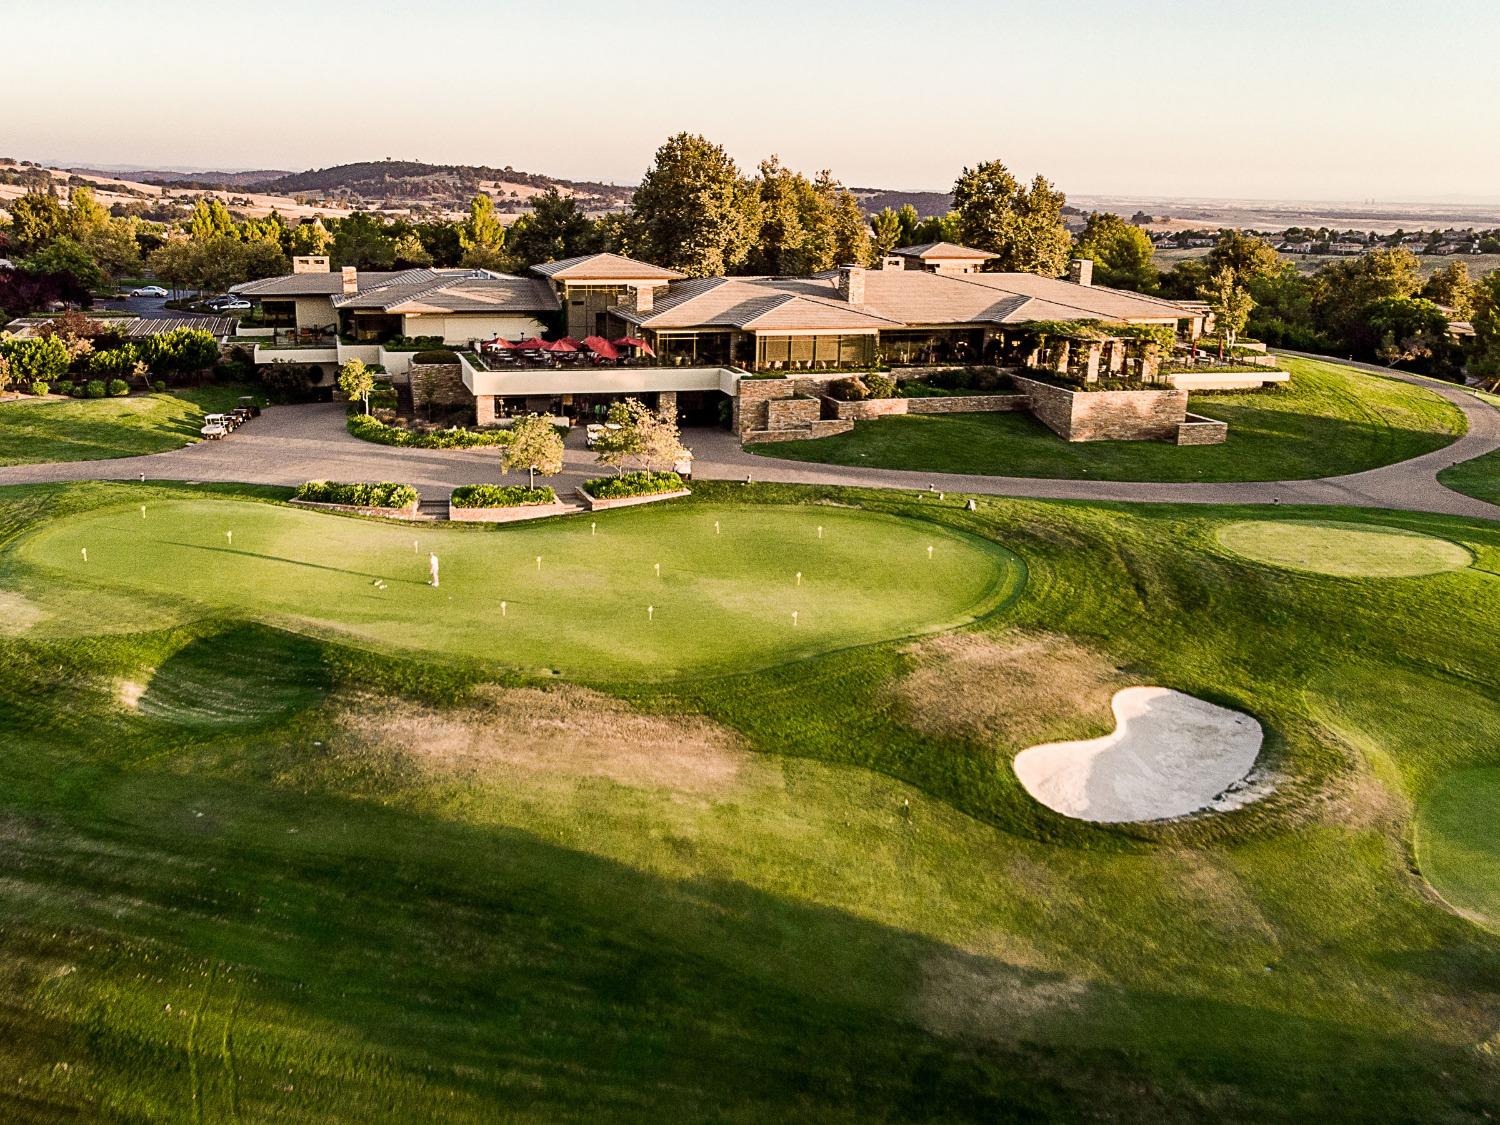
(592, 351)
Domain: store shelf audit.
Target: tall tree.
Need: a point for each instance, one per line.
(86, 215)
(849, 232)
(1411, 330)
(1022, 226)
(1343, 292)
(1484, 360)
(1247, 255)
(36, 218)
(361, 240)
(310, 237)
(887, 227)
(482, 235)
(790, 218)
(1120, 251)
(409, 252)
(695, 212)
(1452, 287)
(210, 217)
(1231, 304)
(555, 228)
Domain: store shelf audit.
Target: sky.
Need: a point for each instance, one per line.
(1243, 99)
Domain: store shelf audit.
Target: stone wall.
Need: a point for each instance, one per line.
(448, 388)
(1198, 430)
(1146, 415)
(792, 413)
(870, 408)
(825, 427)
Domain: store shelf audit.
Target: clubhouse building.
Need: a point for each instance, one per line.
(922, 306)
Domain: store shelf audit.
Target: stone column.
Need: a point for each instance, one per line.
(484, 410)
(666, 405)
(1091, 370)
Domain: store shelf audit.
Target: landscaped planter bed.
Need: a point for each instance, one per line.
(638, 488)
(360, 498)
(1106, 415)
(497, 504)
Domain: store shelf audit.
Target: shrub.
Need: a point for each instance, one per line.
(412, 343)
(63, 386)
(95, 388)
(881, 385)
(440, 355)
(369, 428)
(113, 363)
(852, 389)
(38, 357)
(40, 387)
(118, 387)
(358, 494)
(179, 352)
(158, 386)
(501, 496)
(633, 484)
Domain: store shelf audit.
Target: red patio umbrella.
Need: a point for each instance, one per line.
(532, 344)
(566, 344)
(601, 347)
(566, 340)
(634, 342)
(498, 342)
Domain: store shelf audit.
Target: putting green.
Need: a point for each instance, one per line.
(594, 607)
(1458, 843)
(1346, 550)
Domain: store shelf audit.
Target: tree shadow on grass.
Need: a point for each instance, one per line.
(349, 961)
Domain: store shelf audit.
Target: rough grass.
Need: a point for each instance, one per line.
(1458, 843)
(330, 916)
(57, 429)
(1331, 420)
(1344, 550)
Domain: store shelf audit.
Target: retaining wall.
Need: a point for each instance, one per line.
(1147, 415)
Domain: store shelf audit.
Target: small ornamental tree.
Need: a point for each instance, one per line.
(660, 441)
(535, 446)
(1231, 304)
(356, 381)
(615, 447)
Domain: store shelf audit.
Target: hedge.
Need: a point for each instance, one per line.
(369, 428)
(501, 496)
(357, 494)
(440, 356)
(633, 484)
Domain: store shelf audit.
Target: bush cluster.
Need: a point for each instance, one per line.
(370, 428)
(501, 496)
(40, 387)
(358, 494)
(95, 388)
(440, 355)
(633, 484)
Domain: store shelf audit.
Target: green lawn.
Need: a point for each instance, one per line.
(1479, 478)
(57, 429)
(654, 592)
(1333, 419)
(259, 873)
(1458, 843)
(1343, 549)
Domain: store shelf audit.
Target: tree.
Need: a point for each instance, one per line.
(555, 228)
(361, 240)
(356, 381)
(658, 439)
(210, 217)
(1484, 360)
(615, 446)
(1231, 304)
(849, 232)
(36, 218)
(694, 211)
(1023, 227)
(482, 235)
(1410, 329)
(1453, 288)
(1246, 254)
(310, 238)
(65, 254)
(1120, 251)
(791, 215)
(887, 227)
(1283, 313)
(535, 445)
(86, 215)
(1343, 292)
(116, 247)
(409, 252)
(6, 378)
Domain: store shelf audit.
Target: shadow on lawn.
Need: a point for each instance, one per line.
(377, 963)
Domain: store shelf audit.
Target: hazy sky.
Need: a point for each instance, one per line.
(1324, 99)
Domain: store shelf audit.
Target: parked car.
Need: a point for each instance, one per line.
(233, 304)
(149, 291)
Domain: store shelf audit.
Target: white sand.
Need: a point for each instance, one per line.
(1170, 754)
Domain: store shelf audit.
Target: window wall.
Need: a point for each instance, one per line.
(801, 353)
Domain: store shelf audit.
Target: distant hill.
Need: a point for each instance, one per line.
(414, 180)
(929, 204)
(208, 180)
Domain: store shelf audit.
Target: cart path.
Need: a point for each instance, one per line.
(287, 445)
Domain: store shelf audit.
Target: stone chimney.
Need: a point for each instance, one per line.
(852, 284)
(351, 281)
(643, 298)
(1081, 271)
(311, 263)
(893, 262)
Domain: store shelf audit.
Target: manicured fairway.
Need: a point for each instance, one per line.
(1347, 550)
(594, 606)
(1458, 843)
(1330, 420)
(62, 429)
(1479, 478)
(266, 874)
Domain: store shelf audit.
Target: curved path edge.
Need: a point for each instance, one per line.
(291, 444)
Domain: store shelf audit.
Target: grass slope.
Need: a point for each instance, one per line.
(1458, 843)
(1333, 419)
(858, 918)
(56, 429)
(1479, 478)
(1343, 549)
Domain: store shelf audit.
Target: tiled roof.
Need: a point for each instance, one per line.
(926, 250)
(414, 291)
(310, 284)
(605, 267)
(752, 304)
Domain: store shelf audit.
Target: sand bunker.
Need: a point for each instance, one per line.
(17, 614)
(1170, 754)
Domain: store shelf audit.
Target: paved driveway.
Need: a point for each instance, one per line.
(291, 444)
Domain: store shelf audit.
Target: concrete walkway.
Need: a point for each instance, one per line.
(287, 445)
